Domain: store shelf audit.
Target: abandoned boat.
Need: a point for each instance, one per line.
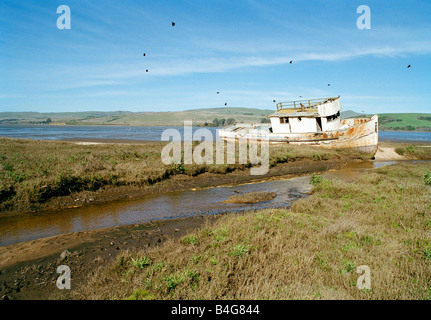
(313, 122)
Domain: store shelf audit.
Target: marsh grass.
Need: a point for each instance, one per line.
(310, 251)
(34, 172)
(415, 151)
(251, 197)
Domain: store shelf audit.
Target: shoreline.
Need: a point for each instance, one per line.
(200, 125)
(177, 183)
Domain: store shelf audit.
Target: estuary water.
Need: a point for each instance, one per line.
(142, 133)
(83, 133)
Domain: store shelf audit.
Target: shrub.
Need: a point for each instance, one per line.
(239, 250)
(190, 239)
(141, 263)
(316, 179)
(400, 151)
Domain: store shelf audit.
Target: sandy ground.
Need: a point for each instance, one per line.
(386, 153)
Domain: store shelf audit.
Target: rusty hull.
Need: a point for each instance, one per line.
(360, 134)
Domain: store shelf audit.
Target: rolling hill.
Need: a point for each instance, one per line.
(199, 117)
(174, 118)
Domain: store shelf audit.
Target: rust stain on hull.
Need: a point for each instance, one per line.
(359, 134)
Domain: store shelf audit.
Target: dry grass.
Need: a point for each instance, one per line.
(412, 150)
(251, 197)
(311, 251)
(34, 172)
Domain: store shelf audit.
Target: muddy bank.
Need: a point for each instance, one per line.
(28, 270)
(181, 182)
(178, 182)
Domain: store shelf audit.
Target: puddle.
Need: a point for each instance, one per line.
(353, 170)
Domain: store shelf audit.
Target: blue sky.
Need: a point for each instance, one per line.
(240, 48)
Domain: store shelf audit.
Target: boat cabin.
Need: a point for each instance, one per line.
(317, 115)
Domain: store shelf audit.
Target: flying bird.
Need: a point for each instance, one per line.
(144, 54)
(146, 70)
(218, 92)
(329, 84)
(225, 103)
(408, 66)
(173, 24)
(290, 61)
(273, 100)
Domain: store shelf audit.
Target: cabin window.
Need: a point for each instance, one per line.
(333, 117)
(284, 120)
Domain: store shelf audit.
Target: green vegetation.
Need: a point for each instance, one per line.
(316, 179)
(220, 122)
(397, 121)
(311, 251)
(405, 121)
(57, 117)
(141, 262)
(199, 117)
(415, 151)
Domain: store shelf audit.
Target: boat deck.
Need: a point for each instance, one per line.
(302, 105)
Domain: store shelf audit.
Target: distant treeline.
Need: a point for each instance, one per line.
(220, 122)
(15, 121)
(227, 122)
(47, 121)
(406, 128)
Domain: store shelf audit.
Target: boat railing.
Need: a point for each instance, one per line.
(303, 104)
